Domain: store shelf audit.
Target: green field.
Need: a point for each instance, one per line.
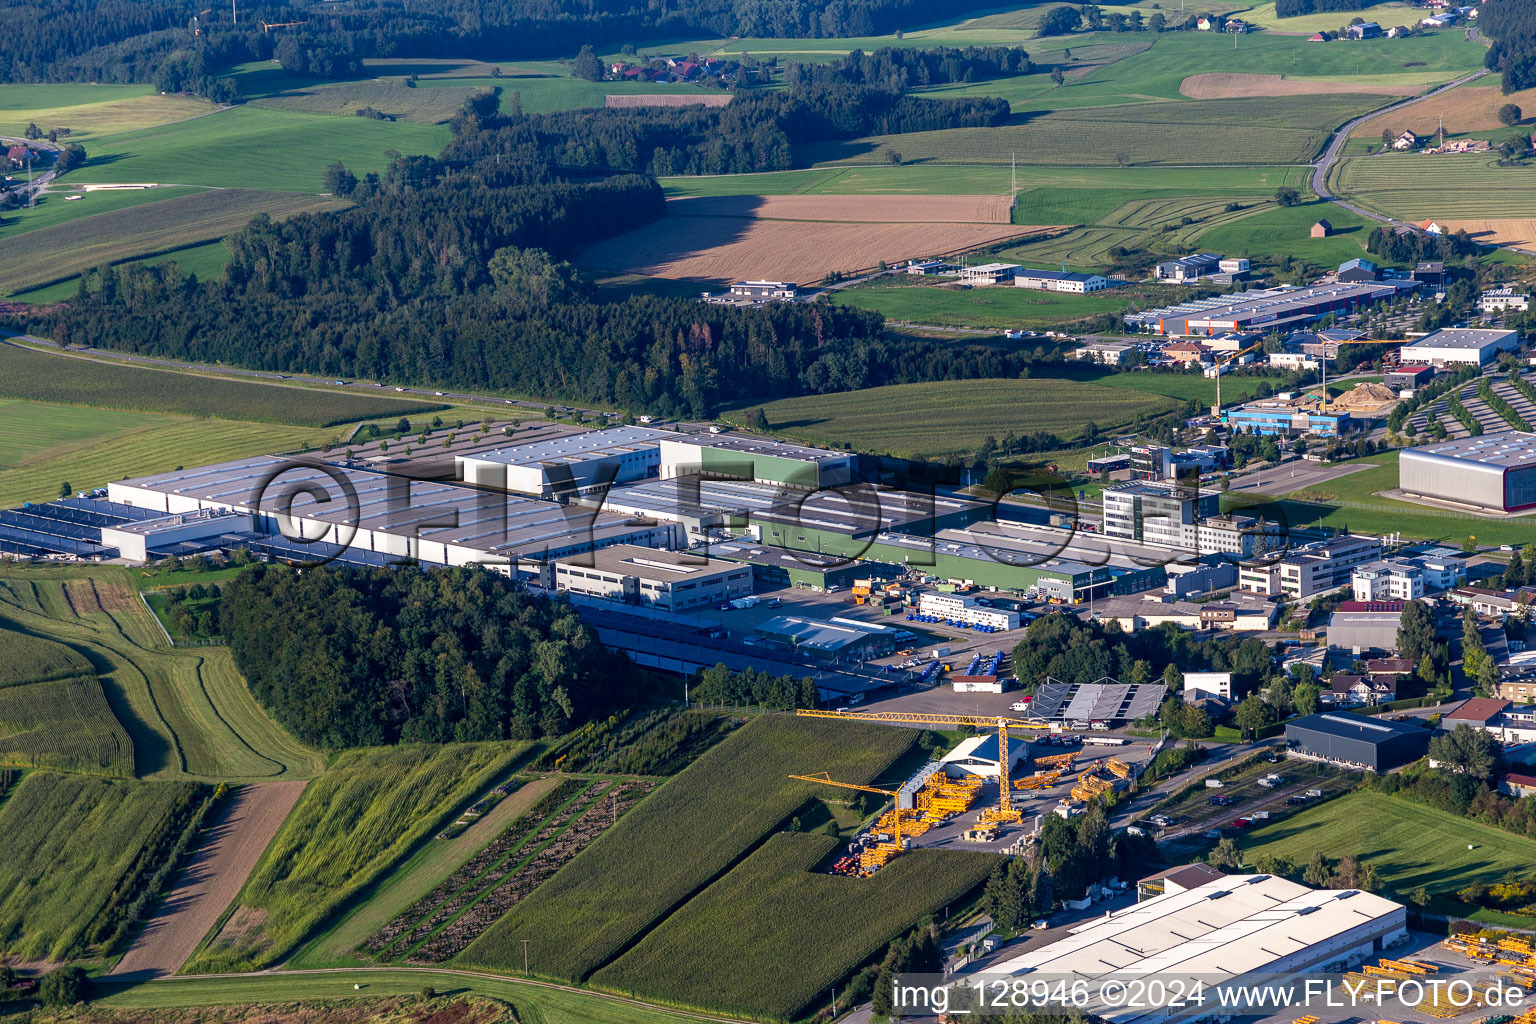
(207, 261)
(52, 254)
(369, 810)
(1449, 186)
(1285, 231)
(63, 723)
(1387, 15)
(389, 96)
(1251, 131)
(999, 306)
(738, 934)
(65, 842)
(42, 376)
(1186, 386)
(187, 712)
(691, 828)
(1409, 843)
(51, 209)
(944, 417)
(988, 179)
(91, 110)
(25, 658)
(533, 1002)
(249, 147)
(1352, 500)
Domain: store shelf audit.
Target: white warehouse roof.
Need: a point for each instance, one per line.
(1216, 932)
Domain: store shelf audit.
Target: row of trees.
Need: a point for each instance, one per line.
(126, 40)
(352, 657)
(896, 69)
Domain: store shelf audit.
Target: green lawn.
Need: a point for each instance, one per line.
(1285, 231)
(89, 111)
(249, 147)
(1002, 306)
(53, 254)
(943, 417)
(1352, 501)
(1408, 843)
(533, 1002)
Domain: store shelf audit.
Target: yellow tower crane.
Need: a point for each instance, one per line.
(886, 853)
(1005, 811)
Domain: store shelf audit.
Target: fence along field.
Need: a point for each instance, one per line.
(69, 380)
(358, 820)
(694, 826)
(801, 238)
(65, 843)
(188, 713)
(51, 254)
(739, 936)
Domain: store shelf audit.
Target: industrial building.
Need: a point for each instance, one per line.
(317, 509)
(673, 581)
(829, 640)
(1059, 281)
(1107, 700)
(1189, 269)
(1408, 378)
(567, 467)
(1266, 309)
(984, 274)
(1356, 740)
(1494, 472)
(1230, 933)
(1365, 626)
(1388, 581)
(1498, 300)
(1283, 417)
(1357, 270)
(777, 568)
(965, 608)
(1459, 346)
(978, 755)
(844, 521)
(760, 459)
(763, 290)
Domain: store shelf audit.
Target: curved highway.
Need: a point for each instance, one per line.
(1330, 156)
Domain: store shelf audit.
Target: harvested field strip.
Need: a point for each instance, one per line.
(428, 913)
(51, 254)
(690, 830)
(1467, 108)
(933, 209)
(1223, 85)
(566, 835)
(1515, 231)
(211, 879)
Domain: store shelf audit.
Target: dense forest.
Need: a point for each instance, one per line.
(348, 657)
(755, 132)
(1511, 24)
(899, 68)
(127, 40)
(1296, 8)
(448, 271)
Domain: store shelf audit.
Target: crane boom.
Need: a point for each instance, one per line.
(827, 780)
(1005, 811)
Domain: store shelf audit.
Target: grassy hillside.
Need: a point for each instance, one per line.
(686, 832)
(1408, 843)
(354, 822)
(188, 713)
(943, 417)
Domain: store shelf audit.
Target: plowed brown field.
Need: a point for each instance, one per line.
(211, 880)
(802, 238)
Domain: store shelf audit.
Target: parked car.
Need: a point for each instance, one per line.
(1220, 801)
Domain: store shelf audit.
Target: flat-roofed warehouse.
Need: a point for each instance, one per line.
(567, 466)
(1271, 310)
(1226, 932)
(1459, 345)
(1495, 472)
(389, 514)
(763, 459)
(845, 520)
(673, 581)
(1356, 740)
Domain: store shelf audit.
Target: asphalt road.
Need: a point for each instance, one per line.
(40, 180)
(1330, 155)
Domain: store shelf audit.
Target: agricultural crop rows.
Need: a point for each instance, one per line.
(63, 723)
(429, 912)
(586, 817)
(1447, 187)
(1138, 224)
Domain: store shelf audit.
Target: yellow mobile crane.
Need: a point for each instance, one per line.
(1005, 812)
(882, 853)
